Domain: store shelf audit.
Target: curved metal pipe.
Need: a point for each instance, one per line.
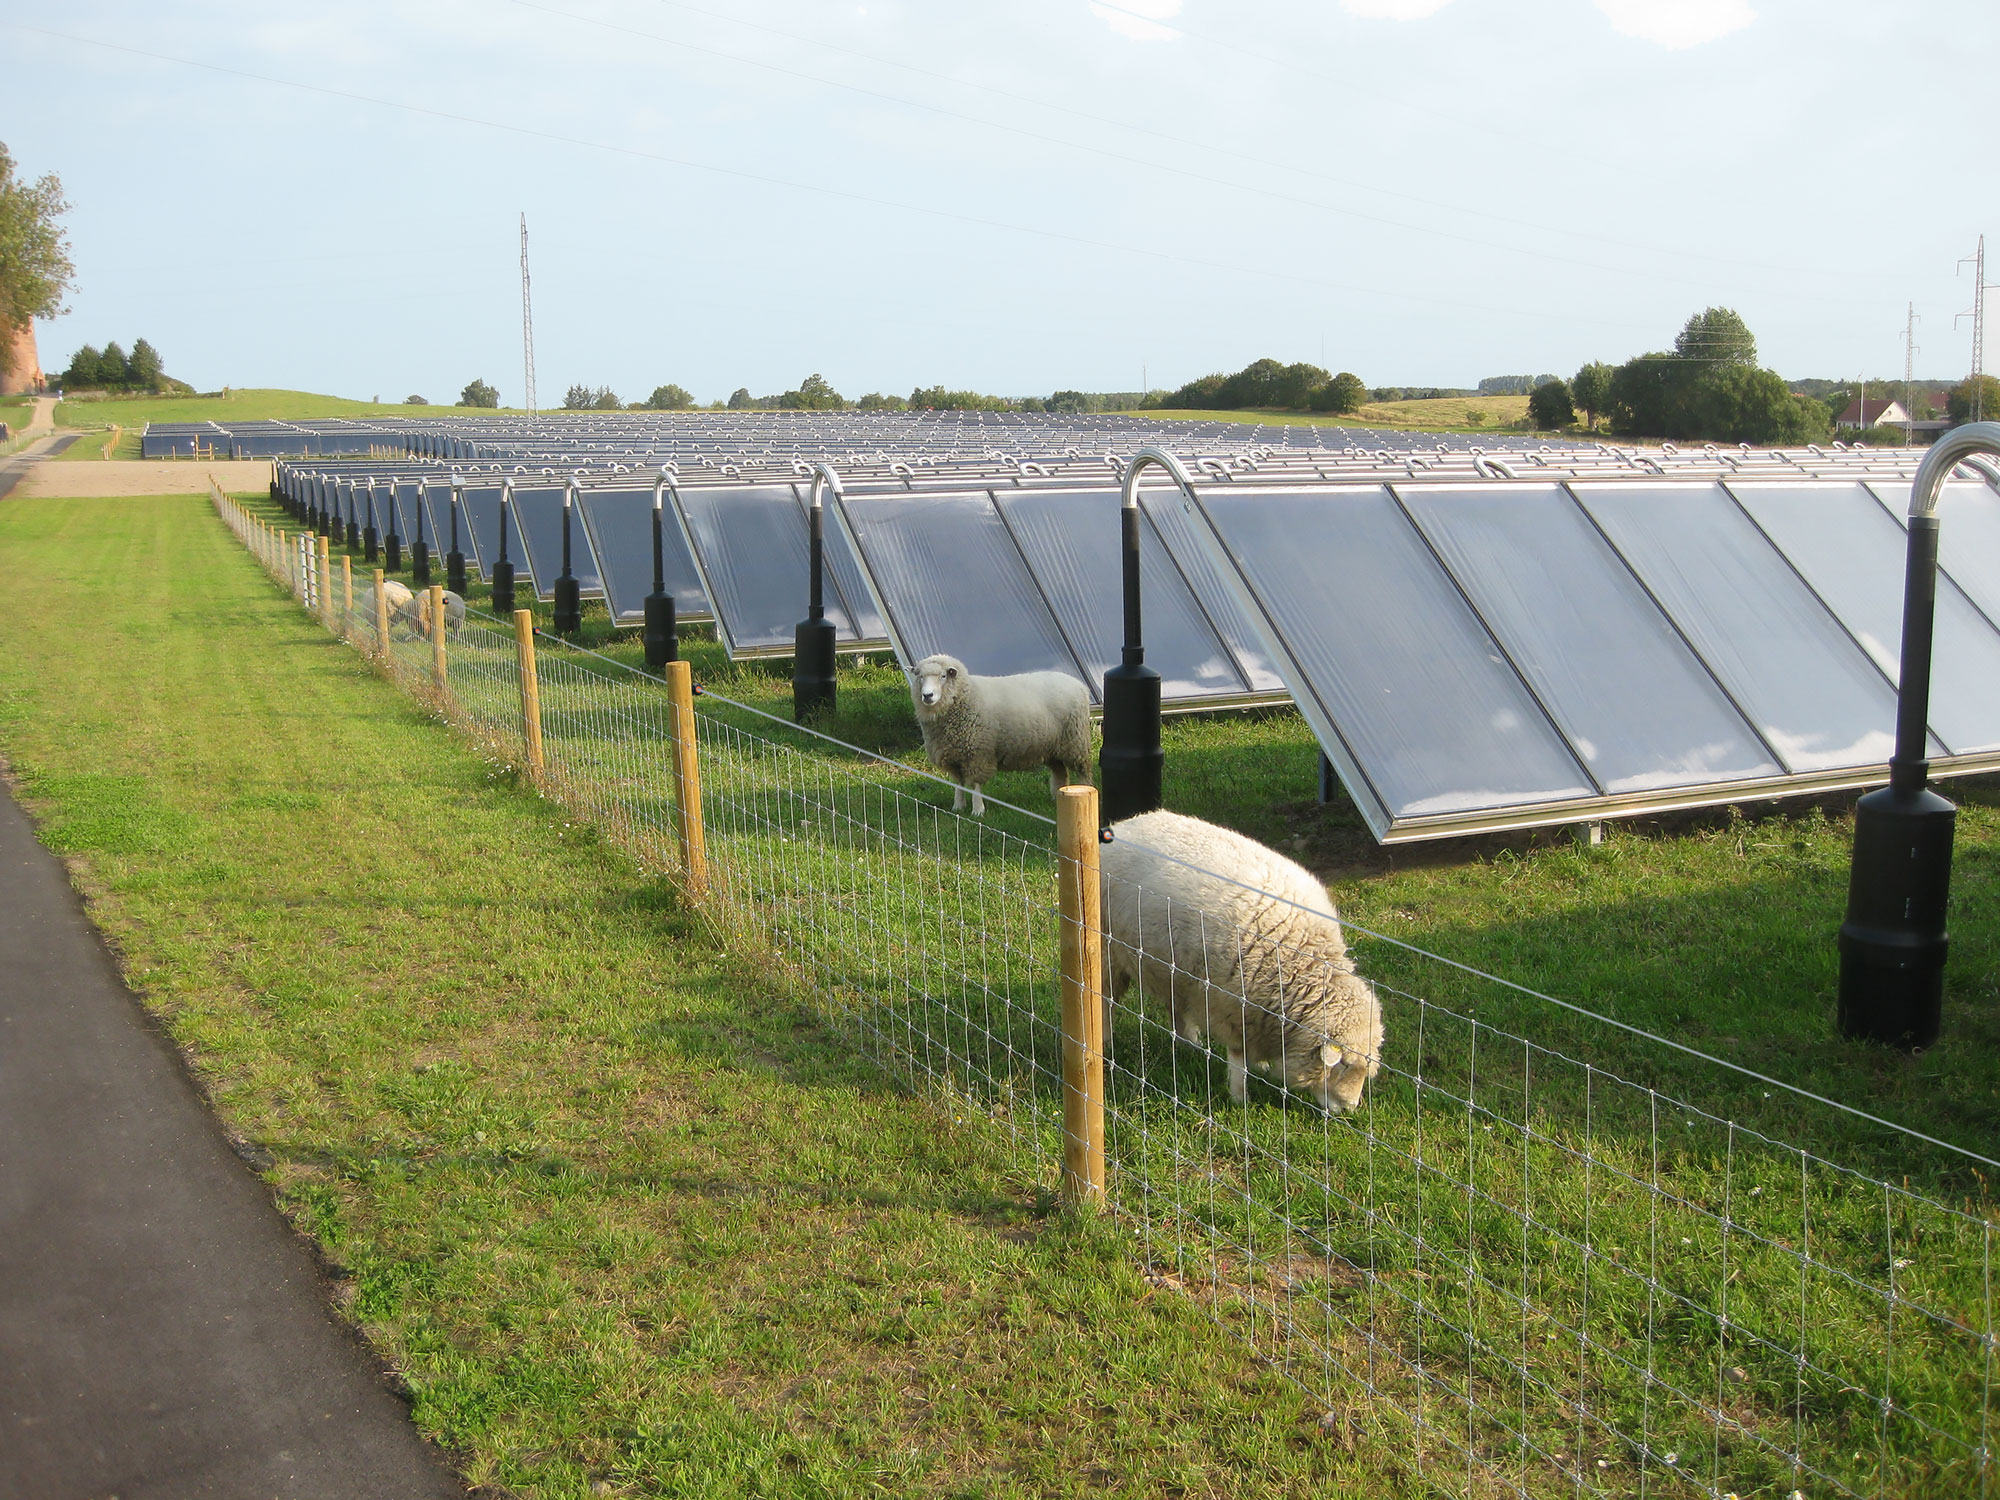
(1893, 943)
(1983, 469)
(1494, 468)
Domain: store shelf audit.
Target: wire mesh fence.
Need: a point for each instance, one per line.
(1515, 1267)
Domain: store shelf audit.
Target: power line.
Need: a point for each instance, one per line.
(1205, 178)
(845, 194)
(1348, 87)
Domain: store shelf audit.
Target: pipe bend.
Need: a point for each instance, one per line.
(1159, 458)
(1944, 455)
(823, 476)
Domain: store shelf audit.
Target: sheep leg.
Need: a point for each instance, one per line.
(1239, 1076)
(957, 797)
(978, 803)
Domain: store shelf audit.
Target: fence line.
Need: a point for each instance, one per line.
(1514, 1268)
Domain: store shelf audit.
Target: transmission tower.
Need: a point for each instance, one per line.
(1980, 287)
(527, 322)
(1909, 386)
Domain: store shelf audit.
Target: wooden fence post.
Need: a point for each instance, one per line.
(381, 616)
(437, 636)
(346, 592)
(1082, 996)
(531, 692)
(687, 781)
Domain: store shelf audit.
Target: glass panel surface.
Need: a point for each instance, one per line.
(1803, 682)
(845, 582)
(1852, 551)
(1968, 535)
(1073, 544)
(479, 507)
(1436, 719)
(755, 555)
(1632, 698)
(1217, 599)
(620, 523)
(953, 581)
(538, 513)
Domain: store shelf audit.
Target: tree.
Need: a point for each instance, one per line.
(1069, 403)
(1640, 391)
(86, 368)
(415, 401)
(1970, 403)
(813, 394)
(1717, 336)
(1549, 405)
(1344, 393)
(35, 268)
(739, 398)
(114, 366)
(670, 397)
(1590, 390)
(479, 393)
(876, 401)
(148, 370)
(591, 398)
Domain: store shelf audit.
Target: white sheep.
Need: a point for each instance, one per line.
(414, 617)
(974, 726)
(1243, 946)
(397, 594)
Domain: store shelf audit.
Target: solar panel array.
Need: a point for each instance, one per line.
(1481, 635)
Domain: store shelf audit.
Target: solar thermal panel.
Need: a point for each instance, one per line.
(620, 523)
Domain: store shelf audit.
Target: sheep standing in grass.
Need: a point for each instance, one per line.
(397, 595)
(1243, 946)
(414, 618)
(974, 726)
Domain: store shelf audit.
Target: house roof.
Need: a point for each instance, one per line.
(1866, 413)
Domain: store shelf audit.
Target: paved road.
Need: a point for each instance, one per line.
(162, 1332)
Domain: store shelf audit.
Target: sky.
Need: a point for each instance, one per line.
(1013, 196)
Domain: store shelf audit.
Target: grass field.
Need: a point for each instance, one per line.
(132, 413)
(520, 1264)
(1460, 414)
(1715, 931)
(623, 1222)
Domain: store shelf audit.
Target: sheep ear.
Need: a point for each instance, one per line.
(1329, 1055)
(951, 671)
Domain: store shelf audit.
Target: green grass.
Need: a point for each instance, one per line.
(1483, 1182)
(1495, 415)
(134, 412)
(623, 1219)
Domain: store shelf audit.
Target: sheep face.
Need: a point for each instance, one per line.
(936, 681)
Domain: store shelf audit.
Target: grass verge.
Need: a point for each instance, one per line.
(1714, 930)
(622, 1223)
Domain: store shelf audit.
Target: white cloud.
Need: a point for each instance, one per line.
(1677, 23)
(1139, 19)
(1393, 10)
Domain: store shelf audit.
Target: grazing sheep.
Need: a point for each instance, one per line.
(1260, 965)
(414, 618)
(396, 593)
(974, 726)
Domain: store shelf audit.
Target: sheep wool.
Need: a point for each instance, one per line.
(396, 593)
(1243, 946)
(975, 726)
(414, 616)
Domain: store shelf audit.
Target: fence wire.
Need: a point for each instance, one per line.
(1515, 1268)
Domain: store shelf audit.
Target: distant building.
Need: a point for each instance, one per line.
(23, 376)
(1866, 413)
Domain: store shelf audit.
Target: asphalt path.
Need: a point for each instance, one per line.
(13, 470)
(163, 1333)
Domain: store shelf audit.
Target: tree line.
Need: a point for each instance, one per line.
(1265, 383)
(1709, 386)
(112, 369)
